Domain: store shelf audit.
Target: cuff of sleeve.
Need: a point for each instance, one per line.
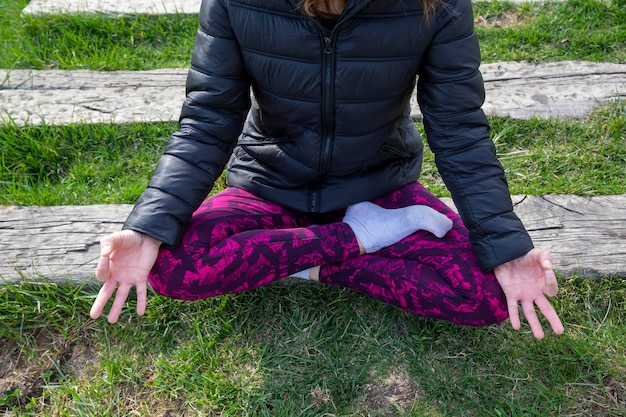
(151, 218)
(495, 248)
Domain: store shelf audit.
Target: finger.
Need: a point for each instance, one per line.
(118, 303)
(550, 314)
(531, 317)
(551, 285)
(103, 272)
(513, 313)
(103, 296)
(141, 297)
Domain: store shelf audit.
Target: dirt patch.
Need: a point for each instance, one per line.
(615, 391)
(392, 395)
(22, 385)
(605, 401)
(598, 400)
(503, 20)
(24, 377)
(81, 362)
(45, 357)
(25, 371)
(9, 357)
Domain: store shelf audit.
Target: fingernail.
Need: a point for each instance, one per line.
(105, 249)
(547, 263)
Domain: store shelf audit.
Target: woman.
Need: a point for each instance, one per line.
(323, 165)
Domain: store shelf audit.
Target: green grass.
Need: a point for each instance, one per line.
(78, 164)
(580, 156)
(95, 42)
(552, 31)
(298, 348)
(574, 30)
(61, 165)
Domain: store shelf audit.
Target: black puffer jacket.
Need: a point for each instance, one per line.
(329, 124)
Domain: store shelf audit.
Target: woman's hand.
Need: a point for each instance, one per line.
(528, 280)
(126, 258)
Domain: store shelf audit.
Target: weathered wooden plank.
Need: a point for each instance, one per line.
(112, 6)
(116, 7)
(64, 97)
(586, 235)
(58, 243)
(516, 89)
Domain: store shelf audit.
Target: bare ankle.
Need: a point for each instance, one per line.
(361, 247)
(314, 273)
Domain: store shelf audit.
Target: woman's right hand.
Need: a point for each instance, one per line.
(126, 258)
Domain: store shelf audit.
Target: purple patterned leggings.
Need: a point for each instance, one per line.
(237, 242)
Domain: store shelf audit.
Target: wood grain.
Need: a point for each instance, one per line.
(587, 235)
(517, 89)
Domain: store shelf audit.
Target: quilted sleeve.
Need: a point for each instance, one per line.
(451, 94)
(212, 117)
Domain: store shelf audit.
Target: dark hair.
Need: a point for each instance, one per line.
(313, 7)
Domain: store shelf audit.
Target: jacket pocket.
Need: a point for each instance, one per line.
(390, 150)
(261, 140)
(405, 142)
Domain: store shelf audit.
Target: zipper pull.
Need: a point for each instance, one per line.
(328, 45)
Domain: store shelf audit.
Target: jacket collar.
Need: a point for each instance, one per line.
(352, 7)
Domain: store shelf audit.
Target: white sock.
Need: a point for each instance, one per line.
(301, 274)
(377, 227)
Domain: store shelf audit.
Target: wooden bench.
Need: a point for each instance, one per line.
(587, 236)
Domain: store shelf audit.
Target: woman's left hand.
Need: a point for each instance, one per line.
(529, 280)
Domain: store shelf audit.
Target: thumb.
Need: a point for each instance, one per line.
(542, 258)
(551, 286)
(546, 264)
(106, 246)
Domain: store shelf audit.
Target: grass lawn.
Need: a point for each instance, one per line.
(300, 349)
(296, 348)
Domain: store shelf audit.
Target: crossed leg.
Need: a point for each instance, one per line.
(237, 242)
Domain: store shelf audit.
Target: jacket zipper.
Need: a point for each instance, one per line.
(327, 116)
(328, 96)
(328, 113)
